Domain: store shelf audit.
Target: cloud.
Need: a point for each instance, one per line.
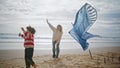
(108, 6)
(61, 8)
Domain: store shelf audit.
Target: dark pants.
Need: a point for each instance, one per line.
(28, 57)
(55, 49)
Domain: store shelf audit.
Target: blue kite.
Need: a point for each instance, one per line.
(85, 18)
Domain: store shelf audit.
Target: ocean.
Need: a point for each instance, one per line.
(108, 31)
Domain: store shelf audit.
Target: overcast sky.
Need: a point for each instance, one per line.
(55, 8)
(14, 10)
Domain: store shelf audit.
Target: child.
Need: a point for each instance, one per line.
(29, 45)
(57, 34)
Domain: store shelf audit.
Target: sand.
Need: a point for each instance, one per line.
(107, 59)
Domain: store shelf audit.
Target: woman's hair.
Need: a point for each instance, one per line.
(31, 29)
(59, 27)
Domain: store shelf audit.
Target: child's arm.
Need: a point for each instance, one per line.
(23, 29)
(51, 26)
(22, 35)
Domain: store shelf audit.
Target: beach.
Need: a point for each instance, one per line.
(103, 51)
(69, 58)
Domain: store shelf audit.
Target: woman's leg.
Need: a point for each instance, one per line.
(58, 50)
(53, 49)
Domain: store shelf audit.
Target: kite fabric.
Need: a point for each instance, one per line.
(85, 18)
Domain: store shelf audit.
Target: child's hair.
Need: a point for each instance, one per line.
(31, 29)
(59, 27)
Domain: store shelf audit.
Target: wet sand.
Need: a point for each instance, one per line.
(67, 59)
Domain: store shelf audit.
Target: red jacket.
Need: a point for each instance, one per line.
(28, 39)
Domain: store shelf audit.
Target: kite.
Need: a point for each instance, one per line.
(85, 18)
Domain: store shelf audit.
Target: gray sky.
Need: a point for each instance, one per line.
(12, 11)
(54, 8)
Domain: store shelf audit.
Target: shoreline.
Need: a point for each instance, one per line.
(19, 53)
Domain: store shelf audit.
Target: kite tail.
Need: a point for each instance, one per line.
(87, 36)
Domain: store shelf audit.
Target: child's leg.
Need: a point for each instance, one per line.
(31, 50)
(26, 58)
(27, 63)
(30, 55)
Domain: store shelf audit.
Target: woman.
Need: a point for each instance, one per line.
(29, 45)
(57, 34)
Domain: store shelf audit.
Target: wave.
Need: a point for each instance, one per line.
(14, 38)
(1, 37)
(64, 40)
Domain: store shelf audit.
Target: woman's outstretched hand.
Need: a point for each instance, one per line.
(47, 20)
